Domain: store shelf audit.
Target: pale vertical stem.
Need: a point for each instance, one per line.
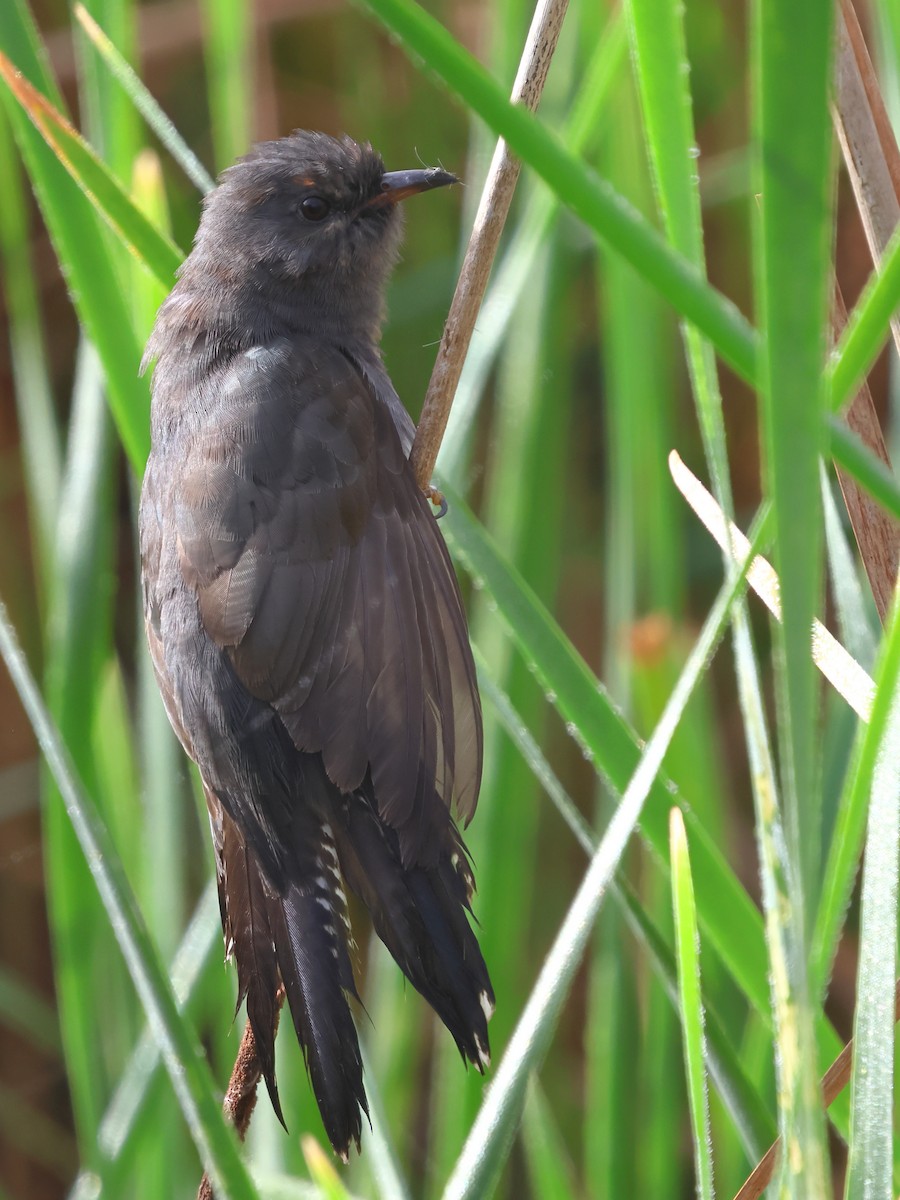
(490, 219)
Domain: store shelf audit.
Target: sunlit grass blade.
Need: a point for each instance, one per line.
(322, 1171)
(79, 242)
(870, 1167)
(182, 1053)
(144, 102)
(109, 200)
(841, 670)
(591, 198)
(691, 1005)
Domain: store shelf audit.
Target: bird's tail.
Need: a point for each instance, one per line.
(420, 913)
(296, 934)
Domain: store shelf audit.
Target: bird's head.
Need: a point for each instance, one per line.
(312, 223)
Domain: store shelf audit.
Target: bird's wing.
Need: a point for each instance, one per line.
(319, 567)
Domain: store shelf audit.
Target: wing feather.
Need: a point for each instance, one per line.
(319, 566)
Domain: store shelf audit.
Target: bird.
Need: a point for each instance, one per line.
(302, 612)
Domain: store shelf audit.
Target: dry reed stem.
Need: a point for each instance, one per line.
(240, 1099)
(876, 533)
(873, 164)
(490, 219)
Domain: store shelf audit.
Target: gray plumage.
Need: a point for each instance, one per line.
(302, 612)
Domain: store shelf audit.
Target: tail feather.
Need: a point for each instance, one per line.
(296, 934)
(308, 941)
(419, 912)
(244, 906)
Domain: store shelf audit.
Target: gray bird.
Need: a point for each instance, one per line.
(303, 615)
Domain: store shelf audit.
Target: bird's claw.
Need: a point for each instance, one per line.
(438, 499)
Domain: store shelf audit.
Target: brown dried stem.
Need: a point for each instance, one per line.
(493, 210)
(876, 533)
(240, 1099)
(873, 163)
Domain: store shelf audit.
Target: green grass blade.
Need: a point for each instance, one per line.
(866, 468)
(141, 238)
(591, 198)
(182, 1053)
(690, 1003)
(793, 79)
(79, 242)
(193, 954)
(386, 1171)
(144, 102)
(228, 47)
(870, 1167)
(548, 1164)
(77, 645)
(108, 119)
(38, 423)
(866, 329)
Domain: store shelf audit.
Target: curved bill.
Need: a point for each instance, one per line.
(398, 185)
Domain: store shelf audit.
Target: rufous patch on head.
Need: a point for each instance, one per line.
(303, 181)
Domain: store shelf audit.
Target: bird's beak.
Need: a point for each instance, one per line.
(397, 185)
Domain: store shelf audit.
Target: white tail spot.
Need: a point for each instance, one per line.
(484, 1059)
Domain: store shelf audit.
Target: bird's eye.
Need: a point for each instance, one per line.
(314, 208)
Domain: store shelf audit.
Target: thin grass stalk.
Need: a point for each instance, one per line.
(687, 946)
(870, 1165)
(144, 102)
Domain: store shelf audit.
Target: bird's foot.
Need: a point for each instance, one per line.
(438, 499)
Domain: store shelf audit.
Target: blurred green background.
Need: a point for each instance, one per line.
(575, 393)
